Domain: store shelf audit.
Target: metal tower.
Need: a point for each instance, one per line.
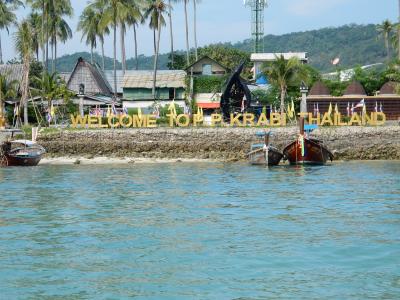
(257, 23)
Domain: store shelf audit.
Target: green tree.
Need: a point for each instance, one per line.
(59, 28)
(283, 73)
(35, 22)
(89, 26)
(385, 30)
(7, 17)
(8, 90)
(23, 41)
(155, 11)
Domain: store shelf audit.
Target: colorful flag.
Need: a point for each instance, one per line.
(360, 104)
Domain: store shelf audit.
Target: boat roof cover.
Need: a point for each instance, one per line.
(25, 142)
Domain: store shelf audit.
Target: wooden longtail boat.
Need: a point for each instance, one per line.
(307, 151)
(264, 153)
(21, 153)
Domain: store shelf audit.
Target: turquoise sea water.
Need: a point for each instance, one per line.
(200, 231)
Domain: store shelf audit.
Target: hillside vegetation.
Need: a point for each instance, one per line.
(354, 44)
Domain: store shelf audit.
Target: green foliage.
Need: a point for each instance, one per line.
(208, 84)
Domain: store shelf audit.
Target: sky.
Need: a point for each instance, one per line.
(229, 21)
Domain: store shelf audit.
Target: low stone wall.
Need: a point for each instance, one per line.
(347, 143)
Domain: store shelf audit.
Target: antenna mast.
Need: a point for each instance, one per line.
(257, 23)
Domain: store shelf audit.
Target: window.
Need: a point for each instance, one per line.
(171, 93)
(207, 70)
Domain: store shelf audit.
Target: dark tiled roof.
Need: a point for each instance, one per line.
(97, 74)
(12, 72)
(319, 89)
(389, 88)
(355, 89)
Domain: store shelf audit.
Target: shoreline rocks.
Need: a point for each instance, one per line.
(229, 144)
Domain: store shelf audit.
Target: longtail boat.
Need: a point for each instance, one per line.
(307, 151)
(264, 153)
(21, 153)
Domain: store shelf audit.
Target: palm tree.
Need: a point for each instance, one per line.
(384, 30)
(8, 90)
(283, 73)
(23, 40)
(7, 17)
(195, 27)
(35, 21)
(114, 12)
(88, 24)
(398, 34)
(185, 2)
(155, 11)
(59, 28)
(129, 16)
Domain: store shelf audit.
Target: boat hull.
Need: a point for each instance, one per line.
(28, 161)
(314, 153)
(259, 158)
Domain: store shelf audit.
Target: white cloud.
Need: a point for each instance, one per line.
(313, 7)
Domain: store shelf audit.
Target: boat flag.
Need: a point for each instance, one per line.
(360, 104)
(348, 109)
(330, 108)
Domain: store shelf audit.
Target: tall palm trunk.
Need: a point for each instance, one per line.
(187, 33)
(1, 52)
(55, 53)
(283, 95)
(47, 41)
(91, 53)
(136, 48)
(43, 41)
(398, 34)
(195, 28)
(387, 45)
(123, 56)
(156, 56)
(115, 57)
(25, 87)
(154, 40)
(171, 33)
(102, 54)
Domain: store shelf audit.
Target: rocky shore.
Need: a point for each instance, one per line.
(228, 144)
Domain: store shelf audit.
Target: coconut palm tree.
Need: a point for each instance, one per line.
(59, 28)
(195, 27)
(7, 17)
(155, 12)
(114, 12)
(23, 41)
(283, 73)
(35, 21)
(385, 30)
(185, 2)
(130, 16)
(89, 25)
